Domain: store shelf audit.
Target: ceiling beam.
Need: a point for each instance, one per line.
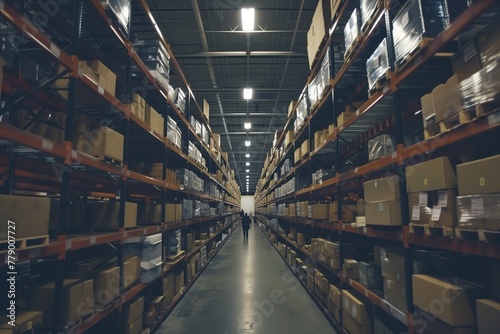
(268, 89)
(253, 32)
(247, 133)
(242, 114)
(207, 54)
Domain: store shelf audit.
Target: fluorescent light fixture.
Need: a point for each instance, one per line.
(247, 93)
(247, 125)
(247, 143)
(247, 164)
(247, 18)
(248, 170)
(247, 155)
(248, 176)
(418, 112)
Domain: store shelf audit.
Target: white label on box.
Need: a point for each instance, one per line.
(415, 213)
(469, 52)
(55, 50)
(68, 244)
(381, 207)
(357, 113)
(30, 325)
(356, 170)
(494, 119)
(394, 155)
(92, 240)
(422, 199)
(365, 230)
(341, 127)
(100, 90)
(375, 184)
(436, 213)
(354, 311)
(477, 206)
(47, 144)
(443, 199)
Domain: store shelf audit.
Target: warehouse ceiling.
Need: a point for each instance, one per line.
(219, 59)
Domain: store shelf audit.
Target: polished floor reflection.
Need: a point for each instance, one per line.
(247, 288)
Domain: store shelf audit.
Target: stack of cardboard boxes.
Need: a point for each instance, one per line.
(350, 110)
(354, 315)
(335, 302)
(321, 286)
(133, 316)
(106, 214)
(382, 206)
(432, 189)
(394, 276)
(327, 252)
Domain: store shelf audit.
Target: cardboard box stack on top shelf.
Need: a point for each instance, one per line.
(432, 189)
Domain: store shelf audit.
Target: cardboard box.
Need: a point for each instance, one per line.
(310, 282)
(106, 214)
(447, 99)
(133, 310)
(383, 213)
(382, 189)
(297, 155)
(428, 112)
(131, 271)
(370, 275)
(78, 300)
(320, 211)
(31, 215)
(488, 316)
(316, 33)
(456, 311)
(111, 82)
(466, 61)
(109, 144)
(395, 294)
(291, 107)
(133, 328)
(107, 285)
(355, 308)
(335, 295)
(343, 117)
(173, 212)
(393, 265)
(305, 148)
(353, 327)
(334, 5)
(206, 109)
(440, 208)
(435, 174)
(300, 240)
(288, 138)
(149, 318)
(179, 281)
(479, 177)
(488, 43)
(25, 322)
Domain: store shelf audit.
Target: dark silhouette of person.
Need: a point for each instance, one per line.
(245, 223)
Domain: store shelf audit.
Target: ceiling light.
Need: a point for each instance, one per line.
(247, 125)
(248, 170)
(247, 143)
(247, 93)
(247, 164)
(247, 18)
(247, 155)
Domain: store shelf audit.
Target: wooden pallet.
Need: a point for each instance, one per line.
(176, 257)
(25, 243)
(414, 53)
(110, 160)
(479, 235)
(435, 231)
(380, 83)
(353, 46)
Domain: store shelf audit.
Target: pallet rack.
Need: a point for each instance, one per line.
(34, 164)
(391, 108)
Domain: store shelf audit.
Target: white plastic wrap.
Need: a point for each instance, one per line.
(378, 64)
(481, 211)
(367, 9)
(351, 30)
(380, 147)
(481, 87)
(180, 100)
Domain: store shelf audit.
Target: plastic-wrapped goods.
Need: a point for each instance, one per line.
(301, 113)
(205, 134)
(196, 208)
(380, 146)
(378, 64)
(313, 92)
(173, 132)
(180, 100)
(324, 72)
(187, 209)
(121, 11)
(156, 59)
(367, 9)
(416, 20)
(481, 87)
(174, 242)
(479, 211)
(351, 30)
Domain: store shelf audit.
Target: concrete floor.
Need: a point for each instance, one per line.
(247, 288)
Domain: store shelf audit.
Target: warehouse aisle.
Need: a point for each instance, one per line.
(247, 288)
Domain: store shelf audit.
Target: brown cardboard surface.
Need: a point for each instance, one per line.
(98, 67)
(356, 309)
(435, 174)
(351, 264)
(291, 107)
(133, 328)
(455, 308)
(466, 61)
(149, 317)
(332, 249)
(343, 117)
(447, 99)
(370, 275)
(300, 239)
(78, 300)
(383, 213)
(106, 213)
(315, 33)
(133, 310)
(479, 177)
(179, 281)
(395, 294)
(320, 211)
(488, 43)
(488, 316)
(447, 215)
(25, 322)
(206, 109)
(31, 215)
(428, 112)
(382, 189)
(131, 271)
(305, 148)
(107, 285)
(297, 155)
(335, 295)
(393, 265)
(109, 144)
(352, 326)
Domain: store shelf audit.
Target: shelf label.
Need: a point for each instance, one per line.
(443, 199)
(55, 50)
(436, 213)
(341, 127)
(415, 213)
(422, 199)
(100, 90)
(477, 206)
(74, 154)
(357, 113)
(365, 230)
(394, 155)
(47, 144)
(381, 207)
(80, 72)
(34, 253)
(68, 244)
(494, 119)
(356, 170)
(93, 240)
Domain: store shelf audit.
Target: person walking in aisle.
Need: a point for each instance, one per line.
(245, 224)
